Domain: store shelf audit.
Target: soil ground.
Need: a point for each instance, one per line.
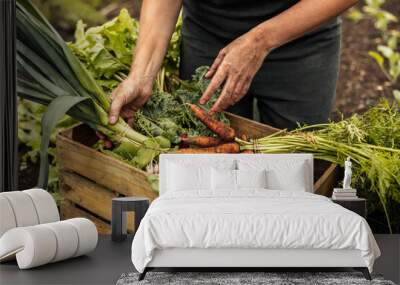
(361, 82)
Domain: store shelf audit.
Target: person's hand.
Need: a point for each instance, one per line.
(235, 66)
(129, 97)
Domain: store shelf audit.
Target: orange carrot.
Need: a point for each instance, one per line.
(201, 141)
(195, 150)
(228, 148)
(222, 148)
(223, 131)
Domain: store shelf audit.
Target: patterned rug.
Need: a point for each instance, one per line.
(244, 278)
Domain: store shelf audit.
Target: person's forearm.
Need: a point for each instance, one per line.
(157, 23)
(298, 20)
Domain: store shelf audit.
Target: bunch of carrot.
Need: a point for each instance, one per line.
(222, 143)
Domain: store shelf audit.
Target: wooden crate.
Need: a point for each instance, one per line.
(89, 179)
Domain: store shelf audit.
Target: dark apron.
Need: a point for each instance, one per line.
(296, 83)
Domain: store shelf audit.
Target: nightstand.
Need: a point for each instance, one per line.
(357, 205)
(120, 206)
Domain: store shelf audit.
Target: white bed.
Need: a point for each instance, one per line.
(248, 227)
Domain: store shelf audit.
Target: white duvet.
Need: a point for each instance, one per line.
(254, 218)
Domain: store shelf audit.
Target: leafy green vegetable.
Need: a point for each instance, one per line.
(107, 50)
(167, 114)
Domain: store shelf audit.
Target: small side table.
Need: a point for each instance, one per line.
(120, 206)
(357, 205)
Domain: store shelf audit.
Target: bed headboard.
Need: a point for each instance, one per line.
(209, 159)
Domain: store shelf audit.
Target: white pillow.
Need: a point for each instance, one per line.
(251, 178)
(223, 179)
(288, 174)
(183, 178)
(189, 176)
(294, 178)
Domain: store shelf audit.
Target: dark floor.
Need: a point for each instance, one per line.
(103, 266)
(110, 259)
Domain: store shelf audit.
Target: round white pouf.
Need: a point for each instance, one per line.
(23, 208)
(45, 205)
(67, 240)
(87, 234)
(7, 218)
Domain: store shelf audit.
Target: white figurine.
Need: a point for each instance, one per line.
(347, 174)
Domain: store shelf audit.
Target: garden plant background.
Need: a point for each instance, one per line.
(370, 67)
